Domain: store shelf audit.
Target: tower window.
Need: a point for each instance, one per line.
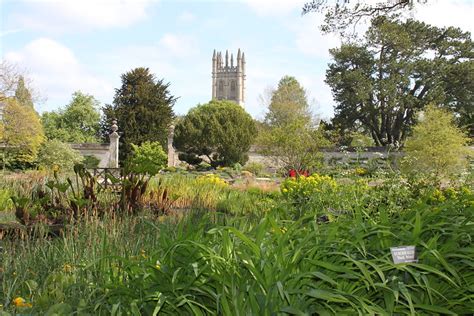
(232, 86)
(221, 86)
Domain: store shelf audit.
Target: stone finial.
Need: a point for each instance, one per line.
(114, 126)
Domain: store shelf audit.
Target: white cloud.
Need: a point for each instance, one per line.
(57, 72)
(178, 45)
(448, 13)
(310, 41)
(274, 7)
(61, 15)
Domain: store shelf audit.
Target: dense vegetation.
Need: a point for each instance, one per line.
(322, 246)
(220, 131)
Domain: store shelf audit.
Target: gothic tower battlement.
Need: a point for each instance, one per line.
(228, 80)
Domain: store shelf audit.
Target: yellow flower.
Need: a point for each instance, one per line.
(158, 265)
(67, 268)
(20, 302)
(56, 168)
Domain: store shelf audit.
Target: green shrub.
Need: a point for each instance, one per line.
(254, 167)
(91, 162)
(220, 130)
(56, 154)
(437, 146)
(148, 158)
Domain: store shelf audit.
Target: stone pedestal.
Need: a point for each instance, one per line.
(114, 146)
(171, 151)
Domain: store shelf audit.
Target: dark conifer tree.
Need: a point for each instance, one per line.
(143, 107)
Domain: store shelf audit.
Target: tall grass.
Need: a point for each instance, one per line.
(221, 264)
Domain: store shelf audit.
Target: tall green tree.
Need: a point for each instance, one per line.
(143, 107)
(78, 122)
(399, 67)
(220, 130)
(288, 102)
(22, 94)
(21, 134)
(437, 146)
(288, 135)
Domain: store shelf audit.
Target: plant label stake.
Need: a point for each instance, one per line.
(403, 254)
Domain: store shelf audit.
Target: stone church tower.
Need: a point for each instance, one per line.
(228, 80)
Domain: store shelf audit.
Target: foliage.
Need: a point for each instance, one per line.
(301, 188)
(380, 82)
(220, 130)
(198, 264)
(5, 202)
(22, 94)
(436, 147)
(342, 16)
(14, 82)
(78, 122)
(22, 134)
(91, 162)
(143, 107)
(288, 104)
(56, 154)
(254, 167)
(293, 145)
(148, 158)
(287, 134)
(211, 179)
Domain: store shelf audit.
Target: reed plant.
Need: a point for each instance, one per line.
(212, 263)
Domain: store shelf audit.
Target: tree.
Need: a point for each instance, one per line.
(288, 135)
(55, 153)
(437, 146)
(380, 83)
(288, 102)
(294, 145)
(22, 94)
(143, 107)
(340, 15)
(220, 130)
(78, 122)
(22, 134)
(13, 80)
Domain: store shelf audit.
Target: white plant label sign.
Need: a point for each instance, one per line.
(403, 254)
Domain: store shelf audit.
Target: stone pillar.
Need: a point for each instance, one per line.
(171, 151)
(114, 146)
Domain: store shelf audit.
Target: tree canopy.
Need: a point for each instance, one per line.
(399, 67)
(437, 146)
(288, 135)
(78, 122)
(288, 102)
(54, 153)
(21, 134)
(22, 94)
(220, 130)
(342, 16)
(143, 107)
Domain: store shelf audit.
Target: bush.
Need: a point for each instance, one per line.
(437, 147)
(56, 154)
(91, 162)
(148, 158)
(254, 167)
(220, 130)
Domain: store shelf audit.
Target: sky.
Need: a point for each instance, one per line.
(66, 45)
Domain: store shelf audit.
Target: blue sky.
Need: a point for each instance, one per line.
(87, 44)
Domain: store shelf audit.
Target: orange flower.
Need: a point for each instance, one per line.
(20, 302)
